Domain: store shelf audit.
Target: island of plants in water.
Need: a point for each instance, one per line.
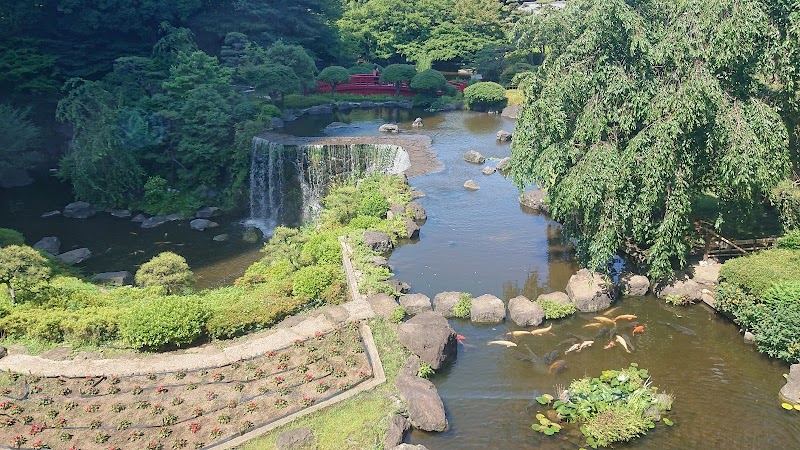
(185, 409)
(617, 406)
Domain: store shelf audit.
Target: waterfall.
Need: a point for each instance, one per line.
(287, 182)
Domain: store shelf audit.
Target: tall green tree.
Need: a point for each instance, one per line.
(641, 107)
(334, 75)
(296, 58)
(397, 74)
(18, 139)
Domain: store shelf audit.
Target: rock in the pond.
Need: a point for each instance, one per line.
(139, 218)
(405, 104)
(252, 235)
(121, 278)
(418, 123)
(120, 213)
(296, 439)
(412, 229)
(589, 291)
(429, 336)
(790, 392)
(680, 287)
(474, 157)
(76, 256)
(410, 447)
(557, 296)
(471, 185)
(319, 110)
(706, 273)
(335, 125)
(534, 200)
(511, 112)
(278, 122)
(155, 221)
(395, 211)
(396, 431)
(49, 244)
(444, 302)
(202, 224)
(79, 210)
(503, 136)
(383, 304)
(208, 212)
(488, 170)
(417, 211)
(389, 128)
(415, 303)
(749, 337)
(220, 237)
(397, 286)
(487, 309)
(416, 194)
(50, 214)
(502, 165)
(634, 284)
(425, 407)
(377, 241)
(524, 312)
(707, 297)
(367, 104)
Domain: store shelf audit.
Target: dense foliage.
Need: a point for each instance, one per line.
(18, 139)
(640, 107)
(334, 75)
(484, 96)
(166, 270)
(22, 269)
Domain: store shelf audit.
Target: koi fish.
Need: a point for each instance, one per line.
(683, 330)
(567, 341)
(604, 320)
(518, 333)
(541, 331)
(460, 337)
(585, 344)
(611, 344)
(611, 311)
(593, 324)
(504, 343)
(625, 317)
(557, 367)
(612, 332)
(600, 332)
(628, 341)
(573, 348)
(623, 343)
(638, 329)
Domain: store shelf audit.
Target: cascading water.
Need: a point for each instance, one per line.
(287, 182)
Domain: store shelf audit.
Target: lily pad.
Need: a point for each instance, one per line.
(667, 422)
(787, 406)
(543, 400)
(536, 427)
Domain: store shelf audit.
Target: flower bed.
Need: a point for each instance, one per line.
(196, 409)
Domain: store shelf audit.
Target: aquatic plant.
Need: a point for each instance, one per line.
(546, 426)
(556, 310)
(678, 300)
(463, 307)
(398, 315)
(425, 371)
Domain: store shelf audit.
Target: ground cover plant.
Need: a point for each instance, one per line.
(618, 406)
(191, 409)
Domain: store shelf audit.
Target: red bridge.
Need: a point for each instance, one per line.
(371, 85)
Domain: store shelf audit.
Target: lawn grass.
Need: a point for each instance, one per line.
(359, 422)
(514, 96)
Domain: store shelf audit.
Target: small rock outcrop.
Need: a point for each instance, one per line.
(474, 157)
(415, 303)
(49, 244)
(488, 170)
(589, 291)
(155, 221)
(524, 312)
(278, 122)
(429, 336)
(425, 407)
(410, 447)
(706, 274)
(487, 309)
(202, 224)
(444, 302)
(79, 210)
(319, 110)
(383, 305)
(208, 212)
(139, 218)
(396, 431)
(3, 352)
(389, 128)
(296, 439)
(412, 229)
(418, 123)
(397, 286)
(557, 296)
(76, 256)
(682, 287)
(791, 390)
(502, 165)
(417, 210)
(632, 284)
(377, 241)
(511, 112)
(395, 211)
(503, 136)
(121, 278)
(120, 213)
(471, 185)
(749, 338)
(252, 235)
(534, 200)
(220, 237)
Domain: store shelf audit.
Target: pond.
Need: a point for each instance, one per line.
(484, 242)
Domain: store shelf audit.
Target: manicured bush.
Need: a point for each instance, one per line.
(556, 310)
(397, 74)
(484, 96)
(757, 272)
(158, 323)
(272, 273)
(310, 282)
(373, 204)
(268, 112)
(11, 237)
(322, 248)
(363, 68)
(334, 75)
(364, 222)
(428, 81)
(790, 240)
(94, 326)
(167, 270)
(250, 312)
(22, 269)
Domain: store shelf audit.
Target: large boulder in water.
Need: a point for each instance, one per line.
(487, 309)
(429, 336)
(425, 407)
(417, 211)
(412, 229)
(49, 244)
(410, 447)
(397, 286)
(202, 224)
(252, 235)
(790, 392)
(503, 163)
(377, 241)
(634, 284)
(444, 302)
(396, 431)
(121, 278)
(534, 200)
(474, 157)
(389, 128)
(79, 210)
(681, 287)
(471, 185)
(415, 303)
(155, 221)
(208, 212)
(503, 136)
(589, 291)
(524, 312)
(557, 296)
(76, 256)
(320, 110)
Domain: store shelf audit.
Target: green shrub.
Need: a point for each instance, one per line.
(334, 75)
(425, 371)
(322, 248)
(94, 326)
(463, 307)
(757, 272)
(508, 75)
(297, 101)
(484, 96)
(22, 269)
(310, 282)
(363, 68)
(11, 237)
(158, 323)
(268, 112)
(398, 314)
(791, 240)
(373, 204)
(428, 81)
(167, 270)
(777, 332)
(556, 310)
(786, 198)
(160, 198)
(251, 312)
(364, 222)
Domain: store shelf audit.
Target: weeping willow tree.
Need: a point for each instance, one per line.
(642, 106)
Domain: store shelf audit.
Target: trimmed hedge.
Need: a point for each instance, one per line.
(758, 272)
(485, 95)
(159, 323)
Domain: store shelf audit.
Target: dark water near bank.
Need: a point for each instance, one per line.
(483, 242)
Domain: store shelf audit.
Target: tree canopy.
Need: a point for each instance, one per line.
(640, 108)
